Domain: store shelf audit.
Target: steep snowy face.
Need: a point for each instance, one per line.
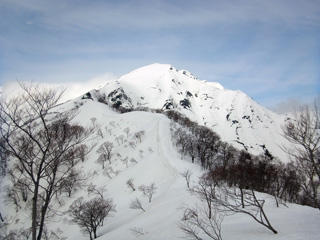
(232, 114)
(160, 86)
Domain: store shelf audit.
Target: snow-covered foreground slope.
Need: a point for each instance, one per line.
(159, 162)
(154, 159)
(232, 114)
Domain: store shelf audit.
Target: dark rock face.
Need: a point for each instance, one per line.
(168, 105)
(87, 96)
(189, 94)
(185, 103)
(247, 117)
(235, 121)
(267, 152)
(118, 98)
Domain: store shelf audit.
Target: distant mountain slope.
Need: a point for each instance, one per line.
(232, 114)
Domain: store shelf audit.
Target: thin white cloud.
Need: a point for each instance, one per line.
(71, 89)
(293, 105)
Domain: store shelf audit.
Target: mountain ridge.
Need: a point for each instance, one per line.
(235, 116)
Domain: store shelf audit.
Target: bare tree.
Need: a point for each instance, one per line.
(105, 151)
(198, 222)
(205, 190)
(148, 191)
(187, 176)
(127, 131)
(136, 204)
(20, 234)
(73, 181)
(304, 132)
(98, 191)
(89, 215)
(83, 152)
(18, 189)
(132, 144)
(230, 201)
(138, 232)
(139, 135)
(216, 196)
(99, 132)
(42, 145)
(130, 184)
(3, 157)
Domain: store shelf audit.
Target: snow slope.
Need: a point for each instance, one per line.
(232, 114)
(154, 159)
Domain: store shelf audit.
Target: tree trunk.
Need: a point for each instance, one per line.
(95, 233)
(263, 215)
(268, 225)
(242, 200)
(43, 214)
(46, 203)
(210, 211)
(277, 202)
(34, 212)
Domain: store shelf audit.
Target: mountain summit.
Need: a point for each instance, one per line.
(232, 114)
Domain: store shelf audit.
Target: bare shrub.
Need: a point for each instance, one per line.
(198, 222)
(133, 161)
(231, 201)
(148, 191)
(83, 152)
(100, 133)
(98, 191)
(75, 179)
(127, 131)
(137, 205)
(205, 191)
(139, 135)
(187, 176)
(120, 139)
(130, 184)
(132, 144)
(138, 232)
(125, 161)
(105, 151)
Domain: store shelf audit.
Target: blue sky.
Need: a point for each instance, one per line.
(268, 49)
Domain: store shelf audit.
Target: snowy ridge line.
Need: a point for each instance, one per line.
(232, 114)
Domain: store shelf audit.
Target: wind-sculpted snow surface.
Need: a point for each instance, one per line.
(237, 118)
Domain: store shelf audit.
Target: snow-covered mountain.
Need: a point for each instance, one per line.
(236, 117)
(153, 158)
